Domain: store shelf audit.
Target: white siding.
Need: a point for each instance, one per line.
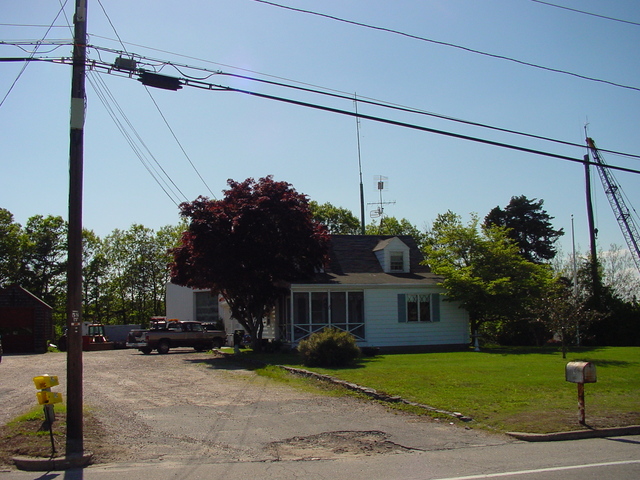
(180, 302)
(384, 329)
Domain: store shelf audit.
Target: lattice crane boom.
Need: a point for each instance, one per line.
(616, 200)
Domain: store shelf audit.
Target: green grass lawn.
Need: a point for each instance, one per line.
(506, 389)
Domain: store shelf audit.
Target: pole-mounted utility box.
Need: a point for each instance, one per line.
(580, 372)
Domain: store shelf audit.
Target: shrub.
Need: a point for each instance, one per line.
(329, 348)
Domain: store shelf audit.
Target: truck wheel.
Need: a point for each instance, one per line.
(163, 347)
(146, 350)
(217, 342)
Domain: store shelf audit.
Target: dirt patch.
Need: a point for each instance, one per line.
(32, 438)
(335, 444)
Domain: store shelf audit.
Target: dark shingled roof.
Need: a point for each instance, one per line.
(352, 260)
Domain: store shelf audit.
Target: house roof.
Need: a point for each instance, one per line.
(352, 260)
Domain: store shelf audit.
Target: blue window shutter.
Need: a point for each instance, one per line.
(402, 307)
(435, 307)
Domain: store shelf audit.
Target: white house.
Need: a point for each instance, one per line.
(373, 287)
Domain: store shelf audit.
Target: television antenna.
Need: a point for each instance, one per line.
(381, 183)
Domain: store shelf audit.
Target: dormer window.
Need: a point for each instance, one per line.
(396, 261)
(393, 255)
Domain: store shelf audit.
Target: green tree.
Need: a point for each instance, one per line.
(529, 225)
(44, 261)
(138, 271)
(95, 282)
(11, 242)
(393, 226)
(338, 220)
(249, 246)
(483, 269)
(563, 313)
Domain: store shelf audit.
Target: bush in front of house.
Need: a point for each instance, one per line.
(329, 348)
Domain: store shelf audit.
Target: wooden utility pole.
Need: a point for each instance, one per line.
(75, 442)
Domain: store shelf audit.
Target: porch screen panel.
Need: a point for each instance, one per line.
(320, 308)
(301, 318)
(301, 308)
(356, 314)
(339, 310)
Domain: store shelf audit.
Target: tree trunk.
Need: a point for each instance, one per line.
(475, 336)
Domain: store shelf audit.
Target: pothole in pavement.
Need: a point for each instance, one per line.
(335, 444)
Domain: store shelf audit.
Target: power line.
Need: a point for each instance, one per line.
(336, 93)
(24, 67)
(178, 142)
(380, 103)
(364, 100)
(157, 106)
(161, 177)
(452, 45)
(345, 96)
(587, 13)
(112, 25)
(31, 25)
(210, 86)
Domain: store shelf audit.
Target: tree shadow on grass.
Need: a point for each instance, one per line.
(609, 363)
(537, 350)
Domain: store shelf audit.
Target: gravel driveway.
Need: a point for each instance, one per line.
(195, 407)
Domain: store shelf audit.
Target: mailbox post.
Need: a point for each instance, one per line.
(47, 398)
(580, 373)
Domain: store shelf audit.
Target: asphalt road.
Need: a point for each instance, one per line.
(187, 415)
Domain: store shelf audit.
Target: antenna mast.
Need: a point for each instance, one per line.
(355, 101)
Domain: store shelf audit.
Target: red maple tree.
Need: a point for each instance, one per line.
(249, 246)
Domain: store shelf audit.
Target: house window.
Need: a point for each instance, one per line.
(416, 308)
(313, 311)
(396, 261)
(206, 307)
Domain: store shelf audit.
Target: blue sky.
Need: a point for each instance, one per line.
(233, 135)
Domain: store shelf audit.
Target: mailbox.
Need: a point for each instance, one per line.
(48, 398)
(44, 383)
(580, 372)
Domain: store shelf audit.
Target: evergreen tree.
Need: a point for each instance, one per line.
(529, 225)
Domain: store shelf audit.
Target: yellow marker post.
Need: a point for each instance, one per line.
(48, 398)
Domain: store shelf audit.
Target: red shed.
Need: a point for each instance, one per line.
(25, 321)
